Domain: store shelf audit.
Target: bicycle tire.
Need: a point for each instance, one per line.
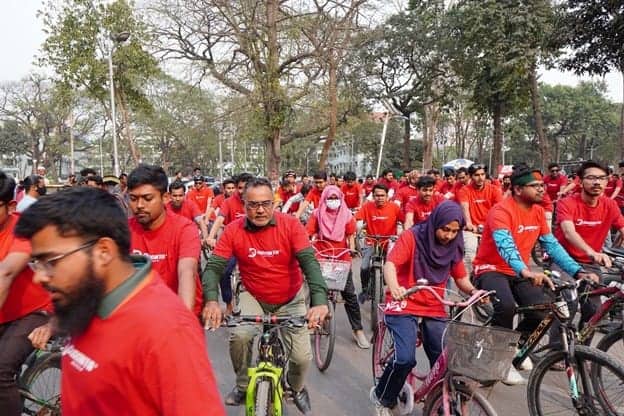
(263, 400)
(324, 340)
(537, 391)
(610, 340)
(44, 386)
(383, 351)
(478, 403)
(376, 285)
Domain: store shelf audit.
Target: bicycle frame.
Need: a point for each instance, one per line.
(268, 366)
(616, 296)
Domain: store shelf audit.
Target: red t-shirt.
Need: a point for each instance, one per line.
(175, 239)
(267, 257)
(352, 194)
(201, 197)
(421, 303)
(368, 188)
(405, 195)
(147, 358)
(379, 221)
(547, 203)
(479, 200)
(525, 226)
(314, 197)
(217, 203)
(611, 185)
(421, 209)
(188, 210)
(393, 184)
(232, 209)
(591, 223)
(554, 185)
(284, 196)
(25, 296)
(328, 247)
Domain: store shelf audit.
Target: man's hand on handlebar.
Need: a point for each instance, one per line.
(316, 315)
(601, 258)
(538, 278)
(398, 292)
(213, 315)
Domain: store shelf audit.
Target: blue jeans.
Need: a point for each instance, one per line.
(404, 331)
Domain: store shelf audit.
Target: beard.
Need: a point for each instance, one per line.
(73, 316)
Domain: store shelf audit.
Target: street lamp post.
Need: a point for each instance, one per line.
(116, 38)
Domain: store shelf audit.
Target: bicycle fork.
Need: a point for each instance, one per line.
(265, 370)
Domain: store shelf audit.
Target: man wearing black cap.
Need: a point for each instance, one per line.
(201, 194)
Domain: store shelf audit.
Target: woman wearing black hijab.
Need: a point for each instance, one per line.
(432, 250)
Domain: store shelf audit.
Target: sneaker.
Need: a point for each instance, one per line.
(236, 397)
(526, 365)
(360, 339)
(363, 297)
(302, 401)
(380, 409)
(514, 377)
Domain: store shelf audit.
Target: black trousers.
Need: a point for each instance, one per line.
(352, 307)
(14, 349)
(511, 290)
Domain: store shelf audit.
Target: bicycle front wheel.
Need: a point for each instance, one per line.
(42, 384)
(376, 286)
(613, 344)
(324, 339)
(263, 403)
(462, 401)
(383, 351)
(599, 381)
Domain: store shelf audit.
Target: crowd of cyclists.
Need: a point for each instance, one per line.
(116, 262)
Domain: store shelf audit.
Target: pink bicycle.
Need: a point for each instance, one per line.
(471, 353)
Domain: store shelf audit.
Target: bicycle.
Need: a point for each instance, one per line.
(585, 367)
(444, 390)
(335, 272)
(266, 390)
(376, 282)
(40, 381)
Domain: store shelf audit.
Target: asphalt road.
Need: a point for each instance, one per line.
(343, 388)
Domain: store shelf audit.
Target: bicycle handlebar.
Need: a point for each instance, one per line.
(268, 319)
(323, 252)
(472, 299)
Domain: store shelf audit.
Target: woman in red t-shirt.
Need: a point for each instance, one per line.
(431, 250)
(333, 227)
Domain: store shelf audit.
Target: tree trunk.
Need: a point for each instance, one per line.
(333, 108)
(406, 143)
(270, 89)
(497, 145)
(539, 122)
(272, 152)
(125, 132)
(622, 119)
(432, 113)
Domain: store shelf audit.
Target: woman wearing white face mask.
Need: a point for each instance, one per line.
(333, 227)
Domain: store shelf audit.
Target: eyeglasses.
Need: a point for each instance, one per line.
(536, 185)
(47, 266)
(254, 205)
(594, 178)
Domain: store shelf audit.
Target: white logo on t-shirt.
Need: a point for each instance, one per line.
(262, 253)
(154, 257)
(522, 228)
(588, 223)
(79, 360)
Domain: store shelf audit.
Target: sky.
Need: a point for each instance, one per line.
(21, 36)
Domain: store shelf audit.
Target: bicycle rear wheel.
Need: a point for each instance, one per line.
(42, 384)
(324, 339)
(462, 401)
(599, 382)
(383, 350)
(263, 402)
(376, 292)
(613, 344)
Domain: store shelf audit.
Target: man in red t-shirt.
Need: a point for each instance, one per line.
(613, 186)
(170, 240)
(24, 305)
(512, 228)
(201, 194)
(228, 188)
(368, 184)
(407, 193)
(134, 347)
(314, 196)
(186, 208)
(555, 182)
(380, 217)
(476, 199)
(584, 221)
(272, 249)
(419, 209)
(387, 179)
(353, 192)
